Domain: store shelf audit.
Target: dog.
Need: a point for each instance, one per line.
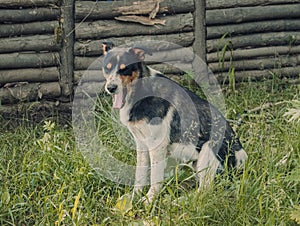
(154, 110)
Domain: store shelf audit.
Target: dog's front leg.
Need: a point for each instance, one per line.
(158, 164)
(142, 167)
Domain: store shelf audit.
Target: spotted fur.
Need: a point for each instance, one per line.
(156, 125)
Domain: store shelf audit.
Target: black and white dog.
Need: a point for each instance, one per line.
(167, 120)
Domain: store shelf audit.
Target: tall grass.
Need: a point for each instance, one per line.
(44, 180)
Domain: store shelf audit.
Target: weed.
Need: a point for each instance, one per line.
(44, 180)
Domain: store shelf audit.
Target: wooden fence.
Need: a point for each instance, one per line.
(47, 45)
(261, 37)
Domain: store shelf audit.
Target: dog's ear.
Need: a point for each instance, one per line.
(140, 52)
(106, 46)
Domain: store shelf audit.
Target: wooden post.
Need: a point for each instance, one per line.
(202, 74)
(200, 29)
(200, 70)
(67, 48)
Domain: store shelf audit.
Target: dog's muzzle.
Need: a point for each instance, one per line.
(119, 95)
(111, 88)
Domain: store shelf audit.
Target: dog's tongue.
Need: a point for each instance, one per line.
(118, 100)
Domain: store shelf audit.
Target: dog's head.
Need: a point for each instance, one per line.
(121, 67)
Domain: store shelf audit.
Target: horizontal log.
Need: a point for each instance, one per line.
(181, 55)
(256, 64)
(87, 63)
(28, 60)
(37, 112)
(29, 92)
(88, 75)
(26, 3)
(94, 48)
(29, 75)
(50, 90)
(97, 10)
(144, 20)
(111, 28)
(168, 69)
(219, 4)
(246, 14)
(33, 28)
(96, 75)
(255, 40)
(93, 76)
(30, 43)
(253, 27)
(87, 89)
(28, 15)
(258, 75)
(239, 54)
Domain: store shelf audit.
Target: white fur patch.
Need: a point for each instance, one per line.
(183, 152)
(241, 157)
(207, 166)
(153, 136)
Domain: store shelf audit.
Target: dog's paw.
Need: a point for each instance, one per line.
(138, 189)
(146, 200)
(137, 193)
(152, 193)
(149, 197)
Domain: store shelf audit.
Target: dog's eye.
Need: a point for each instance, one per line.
(124, 70)
(122, 66)
(109, 66)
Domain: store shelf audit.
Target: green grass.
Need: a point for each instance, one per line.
(45, 181)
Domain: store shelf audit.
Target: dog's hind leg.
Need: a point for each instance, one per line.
(207, 166)
(240, 158)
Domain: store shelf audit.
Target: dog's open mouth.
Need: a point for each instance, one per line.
(119, 99)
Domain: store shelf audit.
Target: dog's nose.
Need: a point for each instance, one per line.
(112, 88)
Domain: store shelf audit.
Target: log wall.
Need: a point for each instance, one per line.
(255, 37)
(47, 45)
(95, 23)
(29, 51)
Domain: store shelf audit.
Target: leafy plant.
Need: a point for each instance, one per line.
(293, 114)
(295, 214)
